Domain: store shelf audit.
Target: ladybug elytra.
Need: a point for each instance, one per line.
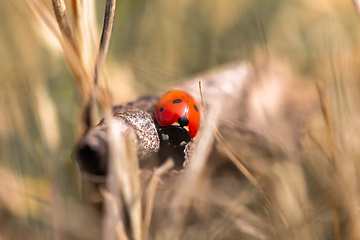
(178, 108)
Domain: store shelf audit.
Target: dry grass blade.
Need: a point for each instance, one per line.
(169, 164)
(327, 117)
(77, 11)
(131, 186)
(357, 6)
(235, 160)
(316, 142)
(227, 149)
(100, 61)
(330, 130)
(120, 232)
(63, 21)
(44, 16)
(77, 54)
(112, 219)
(192, 179)
(123, 181)
(84, 31)
(82, 76)
(105, 37)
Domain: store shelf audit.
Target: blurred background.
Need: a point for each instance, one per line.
(155, 44)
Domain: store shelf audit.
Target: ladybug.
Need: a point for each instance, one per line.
(178, 109)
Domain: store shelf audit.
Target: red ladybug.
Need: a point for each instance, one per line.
(178, 108)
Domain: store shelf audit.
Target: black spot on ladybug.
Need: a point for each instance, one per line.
(161, 109)
(183, 121)
(177, 101)
(196, 109)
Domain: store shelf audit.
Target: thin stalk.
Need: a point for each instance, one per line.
(331, 141)
(63, 21)
(105, 37)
